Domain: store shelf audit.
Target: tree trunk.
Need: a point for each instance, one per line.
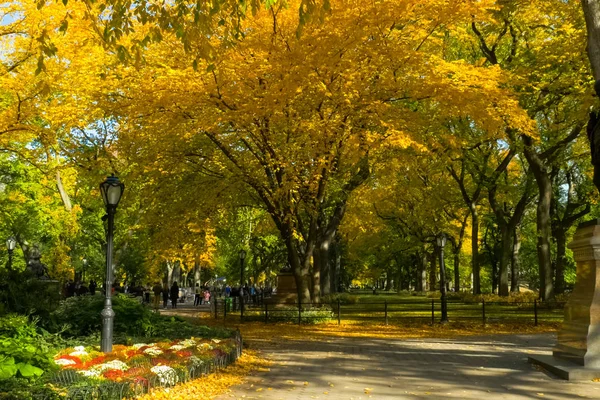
(505, 257)
(63, 193)
(561, 259)
(544, 228)
(300, 269)
(325, 264)
(197, 273)
(475, 249)
(316, 284)
(591, 10)
(515, 266)
(169, 275)
(456, 270)
(335, 281)
(433, 270)
(543, 246)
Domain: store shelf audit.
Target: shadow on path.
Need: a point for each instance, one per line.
(491, 367)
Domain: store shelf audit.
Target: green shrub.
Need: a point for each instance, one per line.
(16, 289)
(344, 298)
(81, 315)
(23, 351)
(25, 389)
(81, 319)
(467, 297)
(313, 315)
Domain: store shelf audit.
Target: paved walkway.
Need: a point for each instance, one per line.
(466, 368)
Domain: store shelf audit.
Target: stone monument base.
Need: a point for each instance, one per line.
(576, 355)
(564, 369)
(286, 290)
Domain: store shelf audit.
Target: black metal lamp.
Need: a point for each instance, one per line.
(111, 190)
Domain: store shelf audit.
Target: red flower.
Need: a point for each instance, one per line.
(184, 353)
(140, 380)
(136, 371)
(96, 361)
(132, 353)
(113, 374)
(162, 361)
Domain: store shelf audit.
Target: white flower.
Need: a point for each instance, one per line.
(217, 341)
(79, 353)
(114, 364)
(63, 362)
(166, 374)
(177, 347)
(91, 373)
(187, 343)
(153, 351)
(195, 361)
(205, 346)
(79, 348)
(138, 346)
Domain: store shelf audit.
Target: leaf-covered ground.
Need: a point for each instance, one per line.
(214, 384)
(257, 332)
(257, 335)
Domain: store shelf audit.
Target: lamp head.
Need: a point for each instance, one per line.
(441, 240)
(242, 254)
(11, 243)
(112, 190)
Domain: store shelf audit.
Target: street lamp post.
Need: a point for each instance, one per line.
(441, 242)
(111, 190)
(242, 257)
(11, 243)
(84, 269)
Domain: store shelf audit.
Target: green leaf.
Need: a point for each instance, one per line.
(7, 368)
(28, 370)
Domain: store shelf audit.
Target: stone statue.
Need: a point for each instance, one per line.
(35, 266)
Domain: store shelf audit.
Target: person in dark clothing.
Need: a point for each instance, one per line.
(174, 294)
(71, 288)
(93, 287)
(165, 294)
(157, 289)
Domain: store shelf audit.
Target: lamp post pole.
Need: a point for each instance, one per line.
(242, 257)
(441, 241)
(10, 245)
(111, 190)
(84, 269)
(108, 315)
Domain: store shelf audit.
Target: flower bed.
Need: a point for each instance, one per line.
(129, 371)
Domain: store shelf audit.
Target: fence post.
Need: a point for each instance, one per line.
(386, 315)
(242, 308)
(234, 304)
(266, 313)
(299, 311)
(483, 311)
(339, 312)
(535, 311)
(432, 311)
(216, 309)
(225, 308)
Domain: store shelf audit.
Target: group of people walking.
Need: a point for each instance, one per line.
(166, 293)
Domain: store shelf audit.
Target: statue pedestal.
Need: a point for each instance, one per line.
(576, 356)
(286, 289)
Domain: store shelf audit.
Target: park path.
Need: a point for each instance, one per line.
(489, 368)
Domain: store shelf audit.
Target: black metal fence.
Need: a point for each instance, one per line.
(390, 311)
